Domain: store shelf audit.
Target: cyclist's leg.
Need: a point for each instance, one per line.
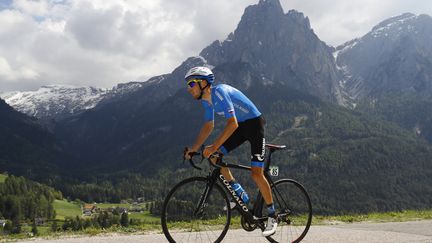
(235, 140)
(255, 135)
(256, 138)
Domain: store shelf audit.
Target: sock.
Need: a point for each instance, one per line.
(271, 210)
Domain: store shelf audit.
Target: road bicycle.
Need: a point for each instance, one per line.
(198, 209)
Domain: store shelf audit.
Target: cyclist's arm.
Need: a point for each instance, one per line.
(231, 121)
(206, 130)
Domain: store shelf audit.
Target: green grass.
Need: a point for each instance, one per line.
(3, 177)
(145, 217)
(113, 205)
(66, 209)
(401, 216)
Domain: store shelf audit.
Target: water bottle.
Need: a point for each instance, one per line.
(240, 192)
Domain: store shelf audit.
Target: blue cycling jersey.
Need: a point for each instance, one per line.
(230, 102)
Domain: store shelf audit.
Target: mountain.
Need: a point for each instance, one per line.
(104, 136)
(54, 101)
(388, 72)
(395, 55)
(28, 149)
(277, 49)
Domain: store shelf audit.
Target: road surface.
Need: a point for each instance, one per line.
(412, 232)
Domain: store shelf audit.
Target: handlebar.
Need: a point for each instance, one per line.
(201, 152)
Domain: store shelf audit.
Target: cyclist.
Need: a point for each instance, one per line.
(243, 122)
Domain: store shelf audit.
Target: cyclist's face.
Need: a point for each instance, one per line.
(194, 89)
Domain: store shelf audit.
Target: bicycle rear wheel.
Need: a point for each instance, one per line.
(194, 212)
(294, 210)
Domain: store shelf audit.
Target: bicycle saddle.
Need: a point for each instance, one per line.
(275, 146)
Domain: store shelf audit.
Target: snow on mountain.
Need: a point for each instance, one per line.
(396, 25)
(393, 56)
(54, 100)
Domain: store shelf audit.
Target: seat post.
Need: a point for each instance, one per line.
(272, 148)
(267, 166)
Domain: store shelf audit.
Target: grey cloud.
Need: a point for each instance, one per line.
(102, 46)
(94, 29)
(23, 85)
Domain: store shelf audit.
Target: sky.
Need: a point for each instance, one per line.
(101, 43)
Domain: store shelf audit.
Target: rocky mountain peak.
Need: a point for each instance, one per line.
(51, 101)
(395, 20)
(275, 48)
(395, 55)
(262, 28)
(264, 9)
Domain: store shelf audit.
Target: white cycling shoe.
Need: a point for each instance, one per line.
(271, 227)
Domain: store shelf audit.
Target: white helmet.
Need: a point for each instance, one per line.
(200, 73)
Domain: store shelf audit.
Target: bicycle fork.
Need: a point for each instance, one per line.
(202, 203)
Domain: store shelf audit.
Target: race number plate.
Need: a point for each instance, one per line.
(274, 170)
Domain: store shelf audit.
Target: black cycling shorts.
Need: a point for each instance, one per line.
(251, 130)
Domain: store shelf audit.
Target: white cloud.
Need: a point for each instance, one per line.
(15, 73)
(33, 8)
(338, 21)
(102, 43)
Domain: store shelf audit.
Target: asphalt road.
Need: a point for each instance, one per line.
(412, 232)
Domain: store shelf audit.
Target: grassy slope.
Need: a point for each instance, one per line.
(3, 178)
(64, 209)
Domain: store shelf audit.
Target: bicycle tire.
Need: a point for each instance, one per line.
(291, 195)
(177, 219)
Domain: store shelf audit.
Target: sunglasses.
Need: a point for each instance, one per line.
(192, 82)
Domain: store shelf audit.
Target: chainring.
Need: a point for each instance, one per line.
(247, 225)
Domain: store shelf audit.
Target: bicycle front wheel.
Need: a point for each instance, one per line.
(294, 210)
(196, 211)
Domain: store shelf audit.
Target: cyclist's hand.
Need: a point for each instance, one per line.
(209, 150)
(186, 154)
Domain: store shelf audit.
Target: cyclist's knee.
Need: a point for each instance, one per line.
(257, 173)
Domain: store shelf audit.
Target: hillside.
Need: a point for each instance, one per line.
(3, 177)
(407, 109)
(26, 148)
(349, 162)
(23, 199)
